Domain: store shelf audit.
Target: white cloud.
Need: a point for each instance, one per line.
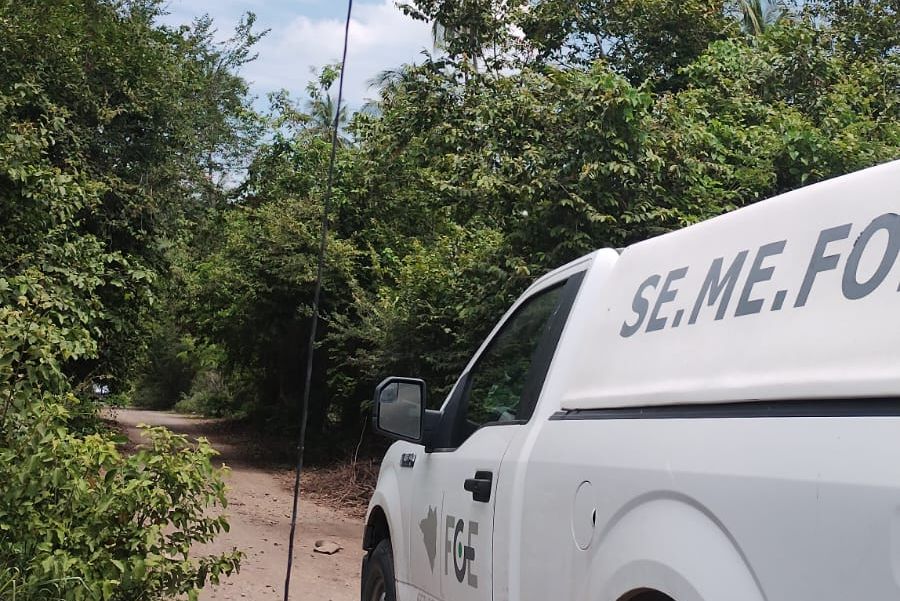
(381, 37)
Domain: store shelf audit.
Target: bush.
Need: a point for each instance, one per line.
(166, 372)
(209, 395)
(81, 521)
(184, 374)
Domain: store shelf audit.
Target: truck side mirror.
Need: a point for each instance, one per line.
(400, 409)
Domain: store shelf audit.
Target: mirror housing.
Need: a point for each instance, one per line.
(399, 410)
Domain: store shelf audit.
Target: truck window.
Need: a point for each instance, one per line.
(497, 382)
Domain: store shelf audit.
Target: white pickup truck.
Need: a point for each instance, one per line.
(710, 415)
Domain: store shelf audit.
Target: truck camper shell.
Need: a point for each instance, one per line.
(793, 298)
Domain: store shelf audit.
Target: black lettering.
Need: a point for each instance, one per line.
(820, 261)
(639, 305)
(666, 295)
(758, 274)
(715, 286)
(854, 289)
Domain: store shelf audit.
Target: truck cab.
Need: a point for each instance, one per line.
(713, 414)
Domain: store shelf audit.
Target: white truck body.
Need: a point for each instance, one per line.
(711, 415)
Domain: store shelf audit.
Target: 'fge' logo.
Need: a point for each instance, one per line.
(459, 545)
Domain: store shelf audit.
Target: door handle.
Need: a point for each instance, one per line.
(480, 486)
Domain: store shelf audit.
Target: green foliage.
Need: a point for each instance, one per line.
(148, 115)
(860, 28)
(249, 294)
(78, 520)
(425, 322)
(620, 121)
(640, 39)
(537, 132)
(181, 372)
(100, 164)
(477, 32)
(167, 371)
(255, 292)
(757, 16)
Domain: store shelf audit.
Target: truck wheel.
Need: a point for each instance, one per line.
(378, 582)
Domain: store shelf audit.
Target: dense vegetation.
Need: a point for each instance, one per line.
(107, 126)
(159, 237)
(536, 132)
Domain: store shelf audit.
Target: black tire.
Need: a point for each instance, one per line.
(652, 596)
(378, 582)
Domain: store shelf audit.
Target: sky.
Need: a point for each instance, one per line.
(308, 34)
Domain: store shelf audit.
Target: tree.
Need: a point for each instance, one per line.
(542, 130)
(151, 114)
(82, 522)
(757, 16)
(861, 28)
(107, 137)
(550, 162)
(640, 39)
(322, 110)
(477, 33)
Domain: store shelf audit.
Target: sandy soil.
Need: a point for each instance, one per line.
(259, 513)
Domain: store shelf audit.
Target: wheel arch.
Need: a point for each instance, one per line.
(377, 528)
(645, 594)
(384, 518)
(665, 547)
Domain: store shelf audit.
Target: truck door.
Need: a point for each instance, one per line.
(455, 487)
(451, 531)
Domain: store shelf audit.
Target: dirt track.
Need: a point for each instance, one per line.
(259, 512)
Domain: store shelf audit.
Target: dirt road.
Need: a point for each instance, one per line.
(259, 512)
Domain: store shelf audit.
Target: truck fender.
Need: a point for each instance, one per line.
(387, 501)
(669, 543)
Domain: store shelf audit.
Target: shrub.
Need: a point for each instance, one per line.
(81, 521)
